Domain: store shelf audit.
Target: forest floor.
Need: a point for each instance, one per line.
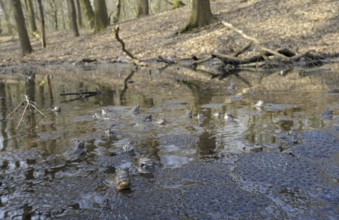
(299, 25)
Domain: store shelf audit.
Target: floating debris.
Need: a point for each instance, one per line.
(188, 114)
(217, 114)
(260, 104)
(56, 109)
(229, 117)
(161, 121)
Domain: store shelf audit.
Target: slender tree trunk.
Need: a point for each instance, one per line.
(42, 24)
(26, 47)
(79, 14)
(201, 15)
(89, 12)
(101, 16)
(31, 16)
(73, 18)
(7, 18)
(117, 12)
(142, 8)
(55, 14)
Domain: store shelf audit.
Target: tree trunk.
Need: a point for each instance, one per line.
(79, 14)
(89, 12)
(42, 24)
(177, 4)
(101, 17)
(117, 12)
(73, 18)
(26, 47)
(201, 15)
(54, 9)
(142, 8)
(7, 18)
(31, 16)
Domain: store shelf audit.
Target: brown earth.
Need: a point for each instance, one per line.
(300, 25)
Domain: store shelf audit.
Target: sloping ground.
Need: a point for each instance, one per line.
(300, 25)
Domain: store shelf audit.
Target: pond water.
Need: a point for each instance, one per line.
(43, 176)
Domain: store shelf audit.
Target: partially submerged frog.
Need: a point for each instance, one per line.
(78, 151)
(123, 180)
(146, 165)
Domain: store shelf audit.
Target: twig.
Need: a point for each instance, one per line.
(242, 50)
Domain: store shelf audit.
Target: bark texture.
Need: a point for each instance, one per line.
(26, 47)
(101, 16)
(201, 15)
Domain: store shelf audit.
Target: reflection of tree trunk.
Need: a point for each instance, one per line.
(3, 112)
(142, 8)
(42, 24)
(31, 15)
(7, 17)
(20, 22)
(73, 18)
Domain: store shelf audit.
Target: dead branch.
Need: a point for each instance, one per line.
(29, 104)
(135, 60)
(254, 40)
(242, 50)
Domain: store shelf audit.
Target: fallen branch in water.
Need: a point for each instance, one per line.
(28, 105)
(82, 95)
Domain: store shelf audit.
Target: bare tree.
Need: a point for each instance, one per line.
(26, 47)
(42, 24)
(142, 8)
(73, 18)
(101, 16)
(201, 15)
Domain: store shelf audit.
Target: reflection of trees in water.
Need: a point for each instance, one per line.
(3, 112)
